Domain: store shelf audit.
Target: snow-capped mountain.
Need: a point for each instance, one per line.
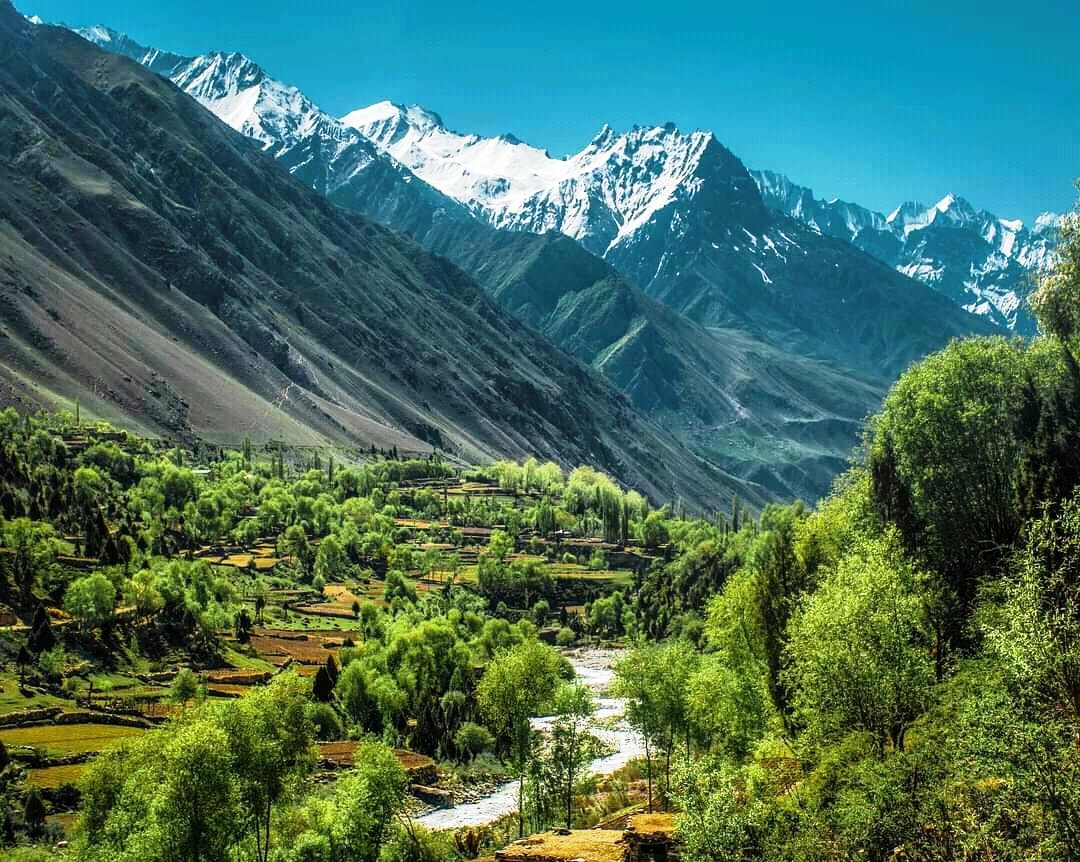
(681, 216)
(677, 213)
(600, 196)
(983, 262)
(318, 149)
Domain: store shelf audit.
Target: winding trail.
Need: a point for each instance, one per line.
(593, 668)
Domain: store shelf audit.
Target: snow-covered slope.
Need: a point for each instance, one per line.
(600, 196)
(318, 149)
(983, 262)
(680, 215)
(606, 194)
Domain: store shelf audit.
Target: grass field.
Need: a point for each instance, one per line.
(11, 699)
(54, 777)
(68, 738)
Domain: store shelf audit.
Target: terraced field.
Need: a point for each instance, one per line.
(68, 738)
(55, 777)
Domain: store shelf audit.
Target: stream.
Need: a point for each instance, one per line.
(593, 668)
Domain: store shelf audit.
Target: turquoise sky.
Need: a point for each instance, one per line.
(892, 102)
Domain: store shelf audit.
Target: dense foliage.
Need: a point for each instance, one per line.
(894, 675)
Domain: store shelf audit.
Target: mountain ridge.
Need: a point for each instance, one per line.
(158, 267)
(680, 216)
(784, 422)
(983, 262)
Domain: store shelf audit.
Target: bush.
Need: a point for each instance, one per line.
(598, 561)
(472, 739)
(185, 686)
(417, 845)
(540, 612)
(52, 663)
(565, 637)
(326, 722)
(569, 559)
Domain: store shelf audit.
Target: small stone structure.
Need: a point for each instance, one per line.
(646, 838)
(651, 838)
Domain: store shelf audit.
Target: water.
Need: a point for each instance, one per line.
(593, 668)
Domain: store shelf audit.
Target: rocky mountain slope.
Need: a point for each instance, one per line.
(159, 268)
(313, 146)
(981, 261)
(782, 421)
(680, 216)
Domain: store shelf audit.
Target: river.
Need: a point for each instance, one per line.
(593, 668)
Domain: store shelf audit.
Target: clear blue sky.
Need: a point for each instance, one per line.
(906, 100)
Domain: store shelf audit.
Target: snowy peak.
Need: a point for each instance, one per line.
(241, 94)
(956, 209)
(980, 260)
(833, 217)
(162, 62)
(318, 149)
(482, 173)
(600, 195)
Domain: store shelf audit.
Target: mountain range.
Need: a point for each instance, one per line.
(157, 268)
(680, 273)
(981, 261)
(678, 214)
(751, 333)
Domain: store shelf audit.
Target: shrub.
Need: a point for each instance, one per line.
(52, 663)
(565, 637)
(471, 739)
(326, 722)
(417, 844)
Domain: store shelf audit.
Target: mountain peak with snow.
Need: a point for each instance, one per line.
(317, 148)
(600, 195)
(979, 259)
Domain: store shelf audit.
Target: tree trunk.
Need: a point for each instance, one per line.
(569, 798)
(648, 771)
(521, 801)
(266, 842)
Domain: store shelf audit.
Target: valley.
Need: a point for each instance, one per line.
(758, 343)
(375, 491)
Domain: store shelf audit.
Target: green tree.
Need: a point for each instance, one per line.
(33, 545)
(294, 543)
(1056, 302)
(269, 737)
(472, 739)
(91, 600)
(516, 685)
(141, 592)
(572, 747)
(635, 682)
(365, 801)
(330, 560)
(860, 649)
(944, 457)
(728, 697)
(185, 686)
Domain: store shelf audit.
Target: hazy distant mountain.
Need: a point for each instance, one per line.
(161, 270)
(980, 261)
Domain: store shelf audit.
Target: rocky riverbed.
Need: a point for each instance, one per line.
(594, 668)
